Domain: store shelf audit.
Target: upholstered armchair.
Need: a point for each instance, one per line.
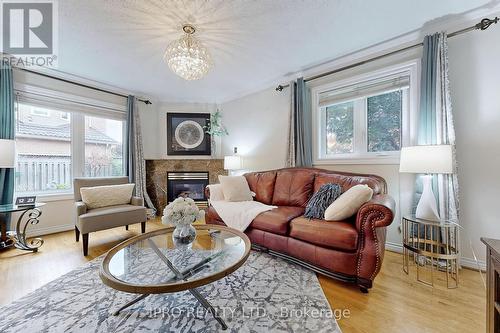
(91, 220)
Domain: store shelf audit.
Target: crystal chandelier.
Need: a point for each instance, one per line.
(188, 57)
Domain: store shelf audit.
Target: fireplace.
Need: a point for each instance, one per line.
(189, 185)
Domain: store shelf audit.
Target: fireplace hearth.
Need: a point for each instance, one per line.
(188, 185)
(157, 171)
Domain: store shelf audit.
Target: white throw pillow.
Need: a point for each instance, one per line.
(235, 188)
(348, 203)
(107, 195)
(216, 193)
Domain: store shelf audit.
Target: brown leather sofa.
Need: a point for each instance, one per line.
(350, 250)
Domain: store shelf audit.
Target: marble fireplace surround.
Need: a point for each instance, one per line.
(156, 175)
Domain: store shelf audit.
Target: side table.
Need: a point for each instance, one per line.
(29, 216)
(431, 245)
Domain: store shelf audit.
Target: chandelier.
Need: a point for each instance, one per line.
(188, 57)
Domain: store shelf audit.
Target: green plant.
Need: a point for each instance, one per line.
(215, 127)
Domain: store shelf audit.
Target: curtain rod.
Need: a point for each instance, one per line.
(145, 101)
(483, 25)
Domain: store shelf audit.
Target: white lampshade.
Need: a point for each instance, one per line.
(7, 153)
(426, 159)
(232, 162)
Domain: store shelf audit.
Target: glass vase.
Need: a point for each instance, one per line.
(184, 234)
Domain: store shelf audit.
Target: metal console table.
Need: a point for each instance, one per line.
(431, 245)
(29, 216)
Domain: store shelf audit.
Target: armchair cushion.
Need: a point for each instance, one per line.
(110, 217)
(107, 195)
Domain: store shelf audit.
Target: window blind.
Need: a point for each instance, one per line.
(365, 89)
(68, 104)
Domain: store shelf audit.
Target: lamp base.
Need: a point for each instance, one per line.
(427, 207)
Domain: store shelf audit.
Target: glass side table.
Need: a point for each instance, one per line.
(29, 216)
(432, 246)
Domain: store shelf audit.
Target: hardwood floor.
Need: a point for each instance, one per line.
(396, 303)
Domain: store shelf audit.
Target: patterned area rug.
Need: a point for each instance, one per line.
(266, 294)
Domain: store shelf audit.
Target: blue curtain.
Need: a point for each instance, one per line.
(6, 129)
(436, 125)
(302, 124)
(130, 145)
(427, 129)
(135, 163)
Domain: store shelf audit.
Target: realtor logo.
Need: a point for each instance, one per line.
(29, 31)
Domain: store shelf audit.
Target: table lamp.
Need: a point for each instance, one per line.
(232, 162)
(7, 153)
(429, 160)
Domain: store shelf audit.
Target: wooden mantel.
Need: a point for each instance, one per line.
(156, 175)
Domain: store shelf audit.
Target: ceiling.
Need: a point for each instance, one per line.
(253, 43)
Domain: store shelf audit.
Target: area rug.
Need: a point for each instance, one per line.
(266, 294)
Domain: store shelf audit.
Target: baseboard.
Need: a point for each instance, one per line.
(49, 230)
(472, 264)
(464, 262)
(394, 247)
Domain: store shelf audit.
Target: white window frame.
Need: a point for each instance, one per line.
(77, 110)
(360, 155)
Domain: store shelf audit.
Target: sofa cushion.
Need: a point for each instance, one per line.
(235, 188)
(376, 183)
(340, 235)
(293, 187)
(320, 200)
(348, 203)
(277, 219)
(110, 217)
(262, 184)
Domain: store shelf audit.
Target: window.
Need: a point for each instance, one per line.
(364, 119)
(103, 147)
(40, 112)
(69, 140)
(43, 152)
(340, 128)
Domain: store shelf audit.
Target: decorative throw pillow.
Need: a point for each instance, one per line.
(348, 203)
(320, 200)
(216, 193)
(107, 195)
(235, 188)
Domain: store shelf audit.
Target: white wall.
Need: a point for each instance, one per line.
(155, 130)
(258, 126)
(474, 76)
(475, 91)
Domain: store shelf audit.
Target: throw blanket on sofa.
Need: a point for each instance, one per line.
(239, 215)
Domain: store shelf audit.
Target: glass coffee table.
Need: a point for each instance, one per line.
(152, 263)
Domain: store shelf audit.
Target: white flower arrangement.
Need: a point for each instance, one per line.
(182, 211)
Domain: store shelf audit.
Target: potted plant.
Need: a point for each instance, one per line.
(215, 128)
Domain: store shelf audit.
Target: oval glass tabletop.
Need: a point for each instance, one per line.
(152, 263)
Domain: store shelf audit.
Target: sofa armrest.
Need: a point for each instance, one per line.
(380, 211)
(371, 220)
(137, 201)
(81, 208)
